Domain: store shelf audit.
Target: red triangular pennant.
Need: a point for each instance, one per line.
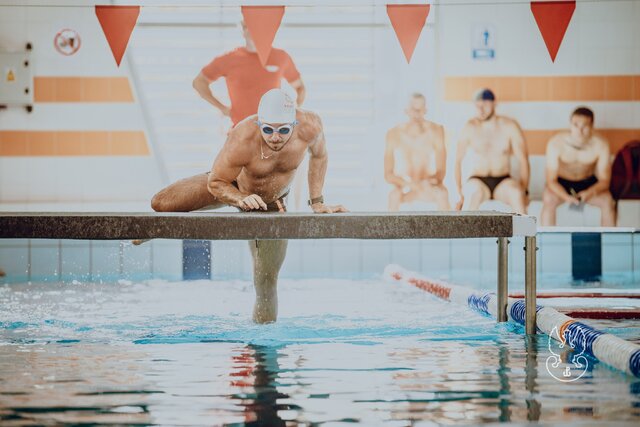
(553, 18)
(117, 24)
(263, 23)
(407, 21)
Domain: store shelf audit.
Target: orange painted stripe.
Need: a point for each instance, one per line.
(537, 139)
(555, 88)
(72, 143)
(82, 89)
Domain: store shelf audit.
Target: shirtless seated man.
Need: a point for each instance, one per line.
(252, 172)
(578, 170)
(418, 142)
(492, 140)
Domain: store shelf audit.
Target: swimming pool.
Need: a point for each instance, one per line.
(342, 351)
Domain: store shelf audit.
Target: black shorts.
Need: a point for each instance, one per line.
(577, 186)
(491, 182)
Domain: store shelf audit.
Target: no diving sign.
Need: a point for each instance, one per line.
(67, 42)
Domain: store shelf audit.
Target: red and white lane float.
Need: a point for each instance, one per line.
(609, 349)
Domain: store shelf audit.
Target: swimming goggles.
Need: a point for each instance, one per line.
(282, 130)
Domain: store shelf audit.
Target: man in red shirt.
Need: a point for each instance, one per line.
(247, 80)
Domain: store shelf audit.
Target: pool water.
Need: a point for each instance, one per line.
(342, 352)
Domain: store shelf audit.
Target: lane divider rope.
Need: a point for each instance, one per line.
(607, 348)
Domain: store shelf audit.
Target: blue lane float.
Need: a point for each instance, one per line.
(607, 348)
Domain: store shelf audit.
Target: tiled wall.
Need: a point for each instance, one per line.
(86, 139)
(471, 260)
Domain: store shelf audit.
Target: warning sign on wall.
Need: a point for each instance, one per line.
(16, 83)
(10, 75)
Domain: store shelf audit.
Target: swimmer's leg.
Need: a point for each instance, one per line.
(185, 195)
(437, 194)
(475, 192)
(268, 256)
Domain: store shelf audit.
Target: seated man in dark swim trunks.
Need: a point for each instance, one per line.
(489, 141)
(578, 170)
(253, 172)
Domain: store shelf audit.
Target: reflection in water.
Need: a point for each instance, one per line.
(255, 369)
(69, 384)
(186, 354)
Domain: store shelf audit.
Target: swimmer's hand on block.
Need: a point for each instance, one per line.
(318, 206)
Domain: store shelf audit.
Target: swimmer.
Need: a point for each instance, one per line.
(253, 172)
(420, 143)
(491, 140)
(578, 170)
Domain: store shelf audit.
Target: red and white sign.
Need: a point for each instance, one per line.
(67, 42)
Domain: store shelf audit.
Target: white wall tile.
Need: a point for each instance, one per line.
(166, 259)
(636, 257)
(465, 255)
(292, 266)
(317, 259)
(136, 261)
(346, 259)
(14, 260)
(45, 260)
(436, 256)
(231, 259)
(106, 261)
(617, 253)
(407, 253)
(375, 253)
(516, 263)
(554, 256)
(488, 260)
(75, 260)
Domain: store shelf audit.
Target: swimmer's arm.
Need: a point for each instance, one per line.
(520, 152)
(440, 156)
(201, 84)
(390, 161)
(301, 91)
(461, 150)
(551, 171)
(318, 161)
(226, 168)
(603, 169)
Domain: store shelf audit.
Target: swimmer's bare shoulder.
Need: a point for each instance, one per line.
(599, 141)
(309, 126)
(393, 135)
(240, 142)
(434, 127)
(554, 146)
(508, 123)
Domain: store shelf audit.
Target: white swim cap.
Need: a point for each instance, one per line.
(276, 107)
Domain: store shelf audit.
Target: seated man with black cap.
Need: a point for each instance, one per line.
(490, 140)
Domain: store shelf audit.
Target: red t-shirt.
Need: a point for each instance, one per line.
(247, 80)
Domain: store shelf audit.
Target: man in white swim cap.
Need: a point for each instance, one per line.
(253, 172)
